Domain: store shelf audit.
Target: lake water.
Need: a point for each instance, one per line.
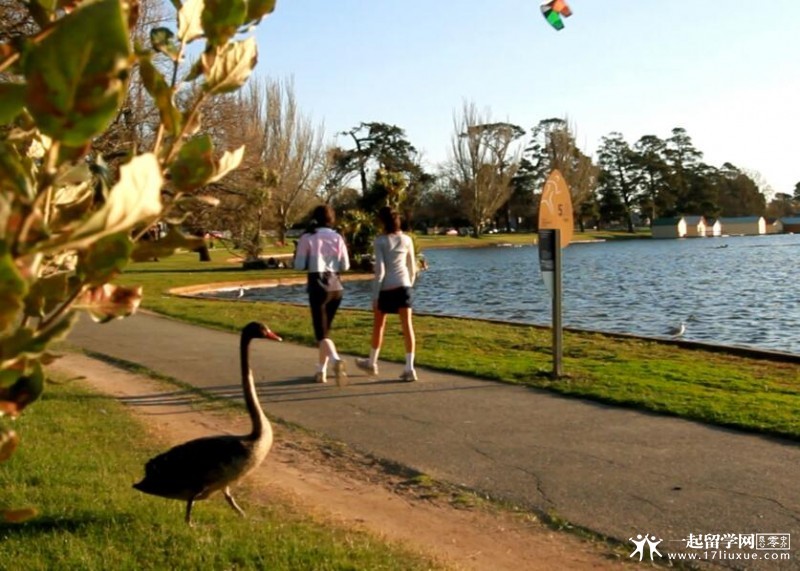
(731, 290)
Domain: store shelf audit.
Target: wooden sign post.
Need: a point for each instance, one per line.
(555, 232)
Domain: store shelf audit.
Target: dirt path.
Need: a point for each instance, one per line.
(338, 485)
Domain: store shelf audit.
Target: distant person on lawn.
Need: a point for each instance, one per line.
(395, 272)
(322, 252)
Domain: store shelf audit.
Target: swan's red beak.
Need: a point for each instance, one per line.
(272, 335)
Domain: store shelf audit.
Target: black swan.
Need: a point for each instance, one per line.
(196, 469)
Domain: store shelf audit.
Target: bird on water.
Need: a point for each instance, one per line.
(196, 469)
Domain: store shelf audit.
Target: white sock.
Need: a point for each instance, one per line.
(409, 361)
(373, 356)
(321, 367)
(330, 348)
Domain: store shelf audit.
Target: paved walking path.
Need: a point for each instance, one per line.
(615, 471)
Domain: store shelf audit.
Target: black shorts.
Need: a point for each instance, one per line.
(391, 300)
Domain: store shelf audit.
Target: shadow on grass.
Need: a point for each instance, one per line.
(46, 525)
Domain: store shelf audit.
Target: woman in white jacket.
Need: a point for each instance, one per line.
(322, 252)
(395, 273)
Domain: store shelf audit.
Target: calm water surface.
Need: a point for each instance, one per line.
(734, 291)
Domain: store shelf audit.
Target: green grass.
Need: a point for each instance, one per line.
(80, 454)
(517, 238)
(752, 394)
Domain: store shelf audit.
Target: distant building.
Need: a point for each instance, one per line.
(713, 228)
(695, 226)
(744, 225)
(669, 227)
(791, 224)
(774, 225)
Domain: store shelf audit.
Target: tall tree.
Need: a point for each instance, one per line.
(618, 179)
(552, 146)
(293, 151)
(703, 194)
(342, 166)
(655, 194)
(534, 166)
(284, 165)
(781, 206)
(380, 146)
(761, 183)
(482, 163)
(439, 204)
(684, 172)
(737, 193)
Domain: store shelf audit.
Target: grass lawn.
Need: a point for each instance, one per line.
(752, 394)
(525, 238)
(91, 519)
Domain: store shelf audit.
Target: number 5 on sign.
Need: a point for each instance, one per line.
(555, 207)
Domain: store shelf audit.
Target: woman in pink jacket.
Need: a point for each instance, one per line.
(322, 252)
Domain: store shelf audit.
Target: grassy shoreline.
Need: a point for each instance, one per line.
(90, 518)
(748, 393)
(519, 238)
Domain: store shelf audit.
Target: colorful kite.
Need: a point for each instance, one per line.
(553, 12)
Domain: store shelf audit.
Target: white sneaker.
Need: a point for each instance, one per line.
(365, 365)
(340, 372)
(409, 376)
(321, 377)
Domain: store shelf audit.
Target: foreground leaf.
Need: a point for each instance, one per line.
(189, 24)
(194, 165)
(229, 69)
(105, 259)
(221, 19)
(12, 100)
(107, 302)
(257, 9)
(73, 203)
(150, 249)
(14, 176)
(46, 294)
(27, 389)
(227, 163)
(134, 199)
(12, 290)
(163, 40)
(161, 93)
(26, 343)
(77, 74)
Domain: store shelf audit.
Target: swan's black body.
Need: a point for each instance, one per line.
(196, 469)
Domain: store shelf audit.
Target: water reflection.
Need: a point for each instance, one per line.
(743, 294)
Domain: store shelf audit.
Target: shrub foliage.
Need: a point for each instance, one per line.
(72, 213)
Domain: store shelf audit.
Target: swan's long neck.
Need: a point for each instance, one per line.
(257, 416)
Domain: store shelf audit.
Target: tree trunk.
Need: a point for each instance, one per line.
(205, 255)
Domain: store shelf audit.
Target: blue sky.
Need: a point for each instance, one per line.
(728, 71)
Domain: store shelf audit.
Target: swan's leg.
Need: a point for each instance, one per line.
(231, 501)
(189, 511)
